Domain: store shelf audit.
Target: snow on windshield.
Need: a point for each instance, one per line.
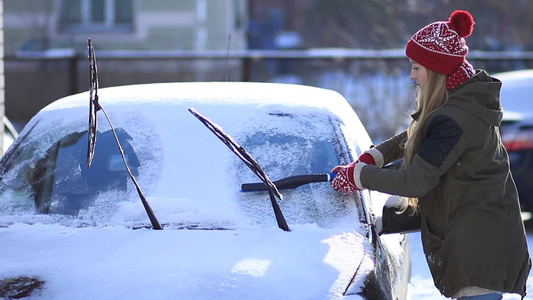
(287, 144)
(188, 176)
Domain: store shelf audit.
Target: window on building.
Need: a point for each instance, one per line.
(96, 15)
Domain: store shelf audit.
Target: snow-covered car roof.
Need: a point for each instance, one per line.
(193, 178)
(517, 88)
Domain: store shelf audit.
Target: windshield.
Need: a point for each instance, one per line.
(44, 177)
(289, 145)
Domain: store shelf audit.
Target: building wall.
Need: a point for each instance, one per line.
(162, 25)
(157, 25)
(26, 20)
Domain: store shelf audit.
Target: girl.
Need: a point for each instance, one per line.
(456, 171)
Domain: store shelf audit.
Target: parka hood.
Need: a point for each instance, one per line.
(480, 95)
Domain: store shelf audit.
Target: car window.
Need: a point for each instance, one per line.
(289, 145)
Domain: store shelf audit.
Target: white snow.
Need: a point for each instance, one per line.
(120, 263)
(115, 262)
(119, 247)
(516, 93)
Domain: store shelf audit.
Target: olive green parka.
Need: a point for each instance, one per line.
(471, 227)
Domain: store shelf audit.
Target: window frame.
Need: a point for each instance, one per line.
(86, 22)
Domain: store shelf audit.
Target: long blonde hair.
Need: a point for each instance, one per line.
(431, 96)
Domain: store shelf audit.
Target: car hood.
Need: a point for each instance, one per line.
(120, 263)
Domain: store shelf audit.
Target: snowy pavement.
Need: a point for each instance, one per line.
(422, 283)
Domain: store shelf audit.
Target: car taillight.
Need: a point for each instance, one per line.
(518, 140)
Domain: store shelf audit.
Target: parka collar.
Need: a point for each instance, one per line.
(480, 95)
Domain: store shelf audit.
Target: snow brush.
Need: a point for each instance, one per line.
(291, 182)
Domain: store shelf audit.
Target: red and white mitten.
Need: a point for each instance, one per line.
(344, 180)
(372, 156)
(367, 158)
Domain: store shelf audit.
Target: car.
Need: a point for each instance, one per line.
(517, 88)
(69, 231)
(518, 141)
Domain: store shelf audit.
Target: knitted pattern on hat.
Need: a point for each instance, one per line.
(441, 47)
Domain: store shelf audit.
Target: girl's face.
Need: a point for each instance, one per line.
(418, 73)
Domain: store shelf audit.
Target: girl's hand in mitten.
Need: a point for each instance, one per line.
(344, 181)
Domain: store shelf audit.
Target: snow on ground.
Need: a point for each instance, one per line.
(422, 283)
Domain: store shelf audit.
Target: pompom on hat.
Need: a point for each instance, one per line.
(440, 46)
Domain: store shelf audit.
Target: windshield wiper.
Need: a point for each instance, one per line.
(94, 107)
(251, 163)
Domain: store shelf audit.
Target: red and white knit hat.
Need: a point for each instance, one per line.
(441, 47)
